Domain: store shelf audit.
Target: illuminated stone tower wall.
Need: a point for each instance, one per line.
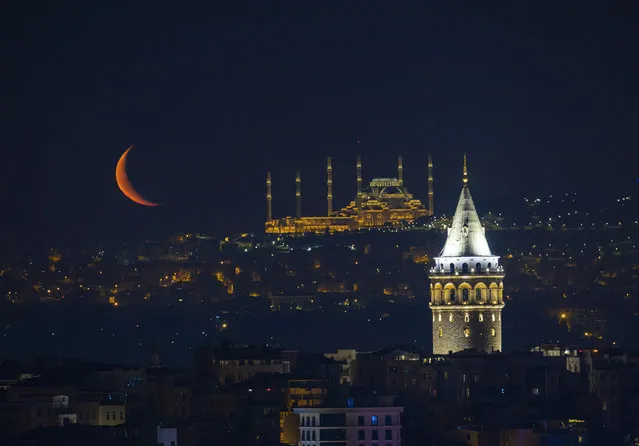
(466, 289)
(466, 310)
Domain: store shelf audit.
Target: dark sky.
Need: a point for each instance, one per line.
(543, 97)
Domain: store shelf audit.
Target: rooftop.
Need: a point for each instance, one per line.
(466, 235)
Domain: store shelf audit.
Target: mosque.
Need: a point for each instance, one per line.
(385, 202)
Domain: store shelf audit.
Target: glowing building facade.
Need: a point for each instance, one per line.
(466, 285)
(385, 202)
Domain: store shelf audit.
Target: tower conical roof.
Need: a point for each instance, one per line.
(466, 237)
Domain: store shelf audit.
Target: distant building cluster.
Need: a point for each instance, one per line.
(385, 202)
(259, 395)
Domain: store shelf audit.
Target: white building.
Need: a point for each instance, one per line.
(352, 426)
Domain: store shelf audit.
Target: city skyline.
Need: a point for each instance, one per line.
(227, 95)
(241, 223)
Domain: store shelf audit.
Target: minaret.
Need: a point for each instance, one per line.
(358, 197)
(431, 194)
(466, 285)
(329, 185)
(269, 198)
(298, 195)
(400, 171)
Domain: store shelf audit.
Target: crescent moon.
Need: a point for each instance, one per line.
(125, 185)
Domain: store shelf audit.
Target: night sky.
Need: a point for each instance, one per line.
(543, 99)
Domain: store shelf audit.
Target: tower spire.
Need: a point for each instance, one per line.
(329, 185)
(431, 194)
(269, 215)
(359, 181)
(465, 177)
(400, 170)
(298, 195)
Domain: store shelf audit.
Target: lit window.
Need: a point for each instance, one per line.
(439, 317)
(466, 318)
(450, 318)
(374, 420)
(466, 332)
(493, 317)
(493, 332)
(481, 317)
(441, 332)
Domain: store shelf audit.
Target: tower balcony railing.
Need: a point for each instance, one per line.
(473, 271)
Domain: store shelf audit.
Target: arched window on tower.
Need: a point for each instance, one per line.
(464, 268)
(481, 317)
(478, 294)
(452, 267)
(478, 267)
(489, 265)
(465, 295)
(441, 332)
(466, 318)
(493, 332)
(452, 294)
